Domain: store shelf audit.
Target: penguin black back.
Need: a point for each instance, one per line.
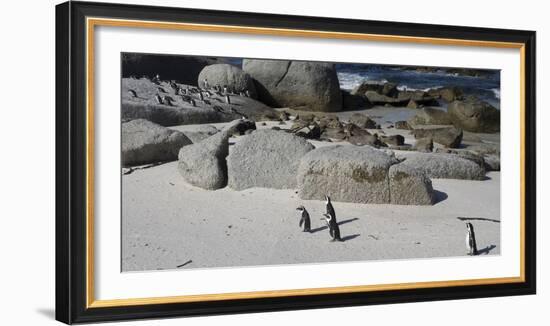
(471, 240)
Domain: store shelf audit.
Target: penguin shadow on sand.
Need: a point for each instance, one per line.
(486, 250)
(340, 223)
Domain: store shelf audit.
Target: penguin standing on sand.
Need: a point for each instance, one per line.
(304, 220)
(330, 209)
(471, 240)
(333, 228)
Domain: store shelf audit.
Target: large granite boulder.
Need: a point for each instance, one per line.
(200, 133)
(181, 68)
(146, 142)
(354, 101)
(181, 112)
(346, 173)
(430, 116)
(203, 164)
(309, 86)
(475, 116)
(410, 186)
(225, 74)
(450, 137)
(445, 166)
(266, 158)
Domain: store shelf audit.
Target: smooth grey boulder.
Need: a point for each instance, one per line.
(346, 173)
(492, 162)
(146, 142)
(238, 127)
(203, 164)
(410, 186)
(450, 137)
(430, 116)
(310, 86)
(383, 88)
(228, 75)
(475, 116)
(201, 133)
(266, 158)
(445, 166)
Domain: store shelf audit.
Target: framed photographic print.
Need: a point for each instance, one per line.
(214, 162)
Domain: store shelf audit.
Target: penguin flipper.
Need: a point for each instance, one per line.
(301, 222)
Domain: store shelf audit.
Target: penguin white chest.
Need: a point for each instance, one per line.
(468, 240)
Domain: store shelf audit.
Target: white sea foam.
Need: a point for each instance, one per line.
(496, 91)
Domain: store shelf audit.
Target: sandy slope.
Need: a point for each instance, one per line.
(166, 222)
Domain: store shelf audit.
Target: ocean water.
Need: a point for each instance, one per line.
(485, 87)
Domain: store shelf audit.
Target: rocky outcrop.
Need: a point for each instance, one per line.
(238, 127)
(382, 88)
(266, 158)
(445, 166)
(450, 137)
(430, 116)
(346, 173)
(309, 86)
(363, 121)
(410, 186)
(178, 111)
(447, 94)
(146, 142)
(203, 164)
(354, 101)
(402, 125)
(393, 140)
(223, 74)
(475, 116)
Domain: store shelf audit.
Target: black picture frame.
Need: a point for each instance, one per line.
(71, 158)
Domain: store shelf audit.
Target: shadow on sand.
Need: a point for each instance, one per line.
(350, 237)
(439, 196)
(477, 219)
(321, 228)
(486, 250)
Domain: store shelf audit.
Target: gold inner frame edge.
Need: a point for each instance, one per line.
(91, 22)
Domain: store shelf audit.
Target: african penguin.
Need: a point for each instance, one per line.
(333, 228)
(193, 103)
(304, 220)
(201, 97)
(168, 100)
(471, 240)
(159, 99)
(247, 93)
(227, 99)
(205, 83)
(330, 209)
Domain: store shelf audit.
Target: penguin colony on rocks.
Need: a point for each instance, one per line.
(193, 95)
